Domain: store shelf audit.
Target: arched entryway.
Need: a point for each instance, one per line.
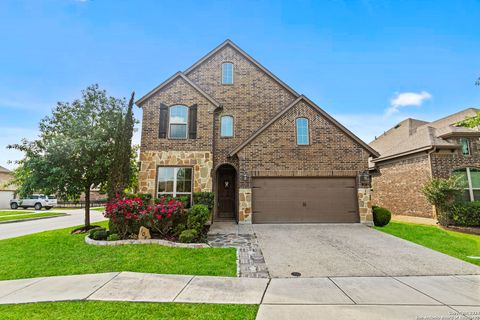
(226, 193)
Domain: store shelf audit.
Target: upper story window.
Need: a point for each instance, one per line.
(226, 126)
(302, 131)
(465, 144)
(470, 177)
(178, 122)
(227, 73)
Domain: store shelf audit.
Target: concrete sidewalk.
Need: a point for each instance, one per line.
(297, 298)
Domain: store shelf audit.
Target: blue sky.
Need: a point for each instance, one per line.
(368, 63)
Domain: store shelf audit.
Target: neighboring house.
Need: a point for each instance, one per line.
(270, 155)
(6, 192)
(414, 151)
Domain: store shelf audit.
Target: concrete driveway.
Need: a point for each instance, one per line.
(328, 250)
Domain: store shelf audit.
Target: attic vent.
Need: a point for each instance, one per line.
(397, 126)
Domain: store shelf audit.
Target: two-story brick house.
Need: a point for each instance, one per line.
(270, 155)
(414, 151)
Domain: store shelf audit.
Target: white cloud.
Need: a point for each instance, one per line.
(405, 99)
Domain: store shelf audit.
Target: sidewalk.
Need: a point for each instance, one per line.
(298, 298)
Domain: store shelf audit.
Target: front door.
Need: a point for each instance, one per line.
(226, 192)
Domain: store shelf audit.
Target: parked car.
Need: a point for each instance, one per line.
(37, 201)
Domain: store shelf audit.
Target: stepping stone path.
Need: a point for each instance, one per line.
(250, 260)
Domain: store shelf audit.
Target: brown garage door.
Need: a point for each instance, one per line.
(304, 200)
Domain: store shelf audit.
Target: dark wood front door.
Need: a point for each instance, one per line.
(226, 192)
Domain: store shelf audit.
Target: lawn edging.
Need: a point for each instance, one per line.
(160, 242)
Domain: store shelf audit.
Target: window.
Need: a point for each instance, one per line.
(465, 144)
(227, 73)
(302, 131)
(174, 182)
(226, 126)
(178, 122)
(471, 178)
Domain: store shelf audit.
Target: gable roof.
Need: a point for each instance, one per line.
(412, 136)
(316, 108)
(3, 169)
(169, 80)
(230, 43)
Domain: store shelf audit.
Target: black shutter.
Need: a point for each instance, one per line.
(192, 123)
(163, 123)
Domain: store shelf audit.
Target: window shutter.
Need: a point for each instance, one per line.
(192, 122)
(163, 123)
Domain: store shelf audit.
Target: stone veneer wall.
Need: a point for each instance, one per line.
(365, 205)
(397, 186)
(200, 161)
(245, 206)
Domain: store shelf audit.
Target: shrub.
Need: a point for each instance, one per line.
(163, 217)
(185, 200)
(124, 215)
(100, 234)
(113, 237)
(146, 197)
(92, 231)
(205, 198)
(465, 214)
(381, 216)
(188, 235)
(198, 215)
(443, 193)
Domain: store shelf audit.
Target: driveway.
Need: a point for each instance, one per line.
(75, 217)
(325, 250)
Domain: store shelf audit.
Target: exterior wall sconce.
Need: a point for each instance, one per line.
(365, 180)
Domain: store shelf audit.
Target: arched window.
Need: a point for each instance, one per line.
(178, 122)
(302, 131)
(226, 126)
(470, 177)
(227, 73)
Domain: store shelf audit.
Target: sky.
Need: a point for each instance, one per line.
(370, 64)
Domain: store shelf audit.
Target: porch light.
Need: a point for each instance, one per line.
(364, 180)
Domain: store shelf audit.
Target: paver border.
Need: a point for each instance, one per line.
(160, 242)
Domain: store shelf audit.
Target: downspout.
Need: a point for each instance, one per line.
(214, 138)
(429, 154)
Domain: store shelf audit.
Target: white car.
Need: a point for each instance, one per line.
(37, 201)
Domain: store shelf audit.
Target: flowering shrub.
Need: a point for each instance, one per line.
(124, 215)
(163, 216)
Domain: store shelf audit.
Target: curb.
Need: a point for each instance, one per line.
(160, 242)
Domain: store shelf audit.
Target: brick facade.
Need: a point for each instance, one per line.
(443, 164)
(397, 184)
(253, 100)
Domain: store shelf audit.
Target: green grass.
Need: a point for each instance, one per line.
(455, 244)
(57, 252)
(9, 213)
(96, 310)
(30, 216)
(98, 209)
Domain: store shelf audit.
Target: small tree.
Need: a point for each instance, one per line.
(74, 151)
(471, 122)
(443, 193)
(122, 174)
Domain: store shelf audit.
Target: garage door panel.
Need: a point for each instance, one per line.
(304, 200)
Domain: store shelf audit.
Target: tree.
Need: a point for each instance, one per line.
(471, 122)
(121, 174)
(74, 151)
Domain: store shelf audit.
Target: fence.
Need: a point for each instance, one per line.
(80, 204)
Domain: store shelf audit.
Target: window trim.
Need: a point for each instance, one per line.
(221, 74)
(469, 187)
(174, 193)
(170, 122)
(468, 146)
(233, 126)
(308, 131)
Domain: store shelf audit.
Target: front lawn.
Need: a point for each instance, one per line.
(57, 252)
(14, 212)
(29, 216)
(455, 244)
(125, 310)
